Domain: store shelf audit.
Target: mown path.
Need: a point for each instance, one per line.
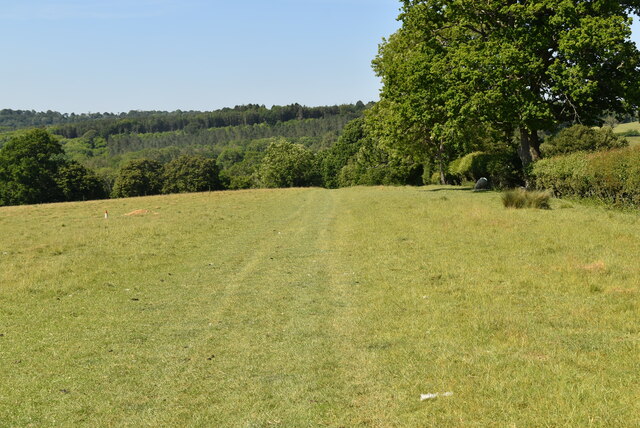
(309, 307)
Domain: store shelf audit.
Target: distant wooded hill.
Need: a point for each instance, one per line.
(138, 130)
(142, 122)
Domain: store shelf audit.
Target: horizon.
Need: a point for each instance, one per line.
(269, 107)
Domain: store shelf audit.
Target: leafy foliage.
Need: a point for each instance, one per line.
(77, 183)
(191, 174)
(582, 138)
(310, 132)
(610, 176)
(502, 169)
(524, 66)
(337, 157)
(138, 178)
(34, 169)
(288, 165)
(29, 166)
(377, 165)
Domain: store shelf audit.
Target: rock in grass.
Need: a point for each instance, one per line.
(481, 184)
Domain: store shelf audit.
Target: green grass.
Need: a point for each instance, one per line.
(319, 308)
(625, 127)
(521, 198)
(633, 141)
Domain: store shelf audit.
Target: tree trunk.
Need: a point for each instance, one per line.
(443, 177)
(525, 148)
(535, 146)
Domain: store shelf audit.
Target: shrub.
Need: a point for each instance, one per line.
(78, 183)
(375, 165)
(449, 178)
(470, 167)
(629, 133)
(521, 198)
(191, 174)
(139, 177)
(288, 165)
(502, 169)
(579, 138)
(610, 176)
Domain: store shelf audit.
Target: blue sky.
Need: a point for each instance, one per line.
(121, 55)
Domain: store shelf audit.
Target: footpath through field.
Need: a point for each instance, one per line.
(311, 307)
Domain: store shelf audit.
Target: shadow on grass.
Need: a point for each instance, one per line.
(440, 189)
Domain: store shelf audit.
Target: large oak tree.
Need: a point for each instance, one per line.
(523, 66)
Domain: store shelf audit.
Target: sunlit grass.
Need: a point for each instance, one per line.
(315, 307)
(521, 198)
(624, 127)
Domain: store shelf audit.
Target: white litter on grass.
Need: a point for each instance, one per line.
(431, 396)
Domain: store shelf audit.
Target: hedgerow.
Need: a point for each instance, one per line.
(610, 176)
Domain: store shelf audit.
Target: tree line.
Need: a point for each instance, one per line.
(469, 89)
(35, 169)
(315, 130)
(72, 125)
(139, 122)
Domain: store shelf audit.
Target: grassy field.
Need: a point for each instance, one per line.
(624, 127)
(631, 126)
(314, 307)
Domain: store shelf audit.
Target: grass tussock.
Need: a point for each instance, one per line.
(521, 198)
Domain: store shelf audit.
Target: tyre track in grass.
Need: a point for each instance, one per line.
(271, 352)
(138, 381)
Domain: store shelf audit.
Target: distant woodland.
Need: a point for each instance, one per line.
(517, 93)
(101, 147)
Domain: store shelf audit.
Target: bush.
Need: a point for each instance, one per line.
(502, 169)
(629, 133)
(470, 167)
(580, 138)
(191, 174)
(450, 179)
(288, 165)
(376, 165)
(611, 176)
(521, 198)
(139, 177)
(77, 183)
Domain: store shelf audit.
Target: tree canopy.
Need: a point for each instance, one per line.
(140, 177)
(29, 165)
(525, 66)
(34, 169)
(288, 165)
(191, 174)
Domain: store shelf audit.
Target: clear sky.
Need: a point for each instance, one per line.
(120, 55)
